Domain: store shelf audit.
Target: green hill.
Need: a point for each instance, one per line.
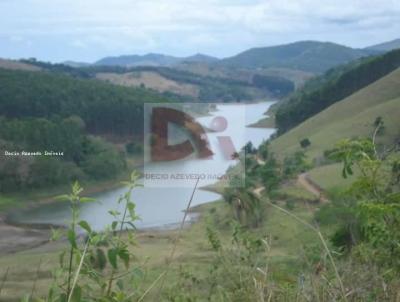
(332, 87)
(105, 108)
(192, 86)
(48, 121)
(176, 83)
(353, 116)
(310, 56)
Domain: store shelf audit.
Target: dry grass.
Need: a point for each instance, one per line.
(15, 65)
(151, 80)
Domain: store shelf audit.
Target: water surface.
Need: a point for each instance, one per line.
(163, 206)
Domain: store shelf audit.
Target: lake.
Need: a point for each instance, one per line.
(162, 205)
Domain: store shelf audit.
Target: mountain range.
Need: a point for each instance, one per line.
(311, 56)
(308, 56)
(153, 59)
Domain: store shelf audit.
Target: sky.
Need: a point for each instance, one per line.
(87, 30)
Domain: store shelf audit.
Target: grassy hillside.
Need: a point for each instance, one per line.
(151, 80)
(182, 82)
(351, 117)
(298, 77)
(334, 86)
(194, 253)
(16, 65)
(188, 80)
(310, 56)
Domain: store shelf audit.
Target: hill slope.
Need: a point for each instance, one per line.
(104, 108)
(17, 65)
(308, 56)
(149, 79)
(51, 112)
(185, 84)
(332, 87)
(352, 117)
(387, 46)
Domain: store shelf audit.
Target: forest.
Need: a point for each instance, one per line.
(56, 112)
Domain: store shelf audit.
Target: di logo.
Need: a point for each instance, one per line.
(186, 141)
(197, 140)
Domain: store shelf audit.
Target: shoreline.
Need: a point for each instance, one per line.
(16, 237)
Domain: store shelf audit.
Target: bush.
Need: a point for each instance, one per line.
(102, 160)
(134, 148)
(52, 171)
(304, 143)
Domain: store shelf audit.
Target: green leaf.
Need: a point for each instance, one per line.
(76, 295)
(85, 225)
(72, 238)
(112, 257)
(120, 284)
(114, 225)
(55, 234)
(63, 297)
(114, 213)
(64, 197)
(101, 259)
(131, 208)
(131, 224)
(124, 255)
(76, 188)
(349, 170)
(87, 199)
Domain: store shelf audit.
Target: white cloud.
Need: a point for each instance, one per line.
(93, 28)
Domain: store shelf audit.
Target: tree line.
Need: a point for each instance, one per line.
(105, 108)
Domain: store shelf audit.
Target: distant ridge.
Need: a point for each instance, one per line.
(305, 56)
(75, 64)
(310, 56)
(200, 58)
(386, 46)
(153, 59)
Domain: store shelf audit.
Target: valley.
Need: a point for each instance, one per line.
(307, 210)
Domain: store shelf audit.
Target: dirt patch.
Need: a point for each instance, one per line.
(311, 187)
(14, 239)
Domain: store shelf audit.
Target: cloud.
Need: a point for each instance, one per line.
(93, 28)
